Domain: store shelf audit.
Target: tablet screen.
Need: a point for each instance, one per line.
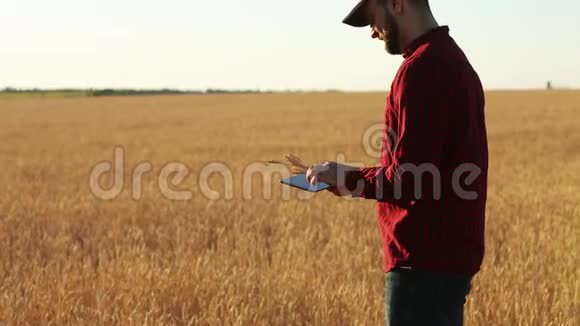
(299, 181)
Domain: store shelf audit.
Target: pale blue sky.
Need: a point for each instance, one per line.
(268, 44)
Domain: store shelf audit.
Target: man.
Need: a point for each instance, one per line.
(432, 181)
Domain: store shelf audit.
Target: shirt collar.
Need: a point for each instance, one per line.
(425, 38)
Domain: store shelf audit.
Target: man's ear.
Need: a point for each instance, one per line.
(395, 6)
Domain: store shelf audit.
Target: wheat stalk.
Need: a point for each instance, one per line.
(297, 166)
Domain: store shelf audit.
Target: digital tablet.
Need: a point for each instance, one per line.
(299, 181)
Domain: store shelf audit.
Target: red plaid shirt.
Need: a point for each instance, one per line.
(432, 182)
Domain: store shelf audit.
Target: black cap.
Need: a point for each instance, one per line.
(358, 17)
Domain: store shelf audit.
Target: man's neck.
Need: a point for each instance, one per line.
(422, 24)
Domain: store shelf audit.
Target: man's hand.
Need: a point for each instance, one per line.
(333, 174)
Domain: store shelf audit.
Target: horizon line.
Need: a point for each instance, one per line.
(210, 90)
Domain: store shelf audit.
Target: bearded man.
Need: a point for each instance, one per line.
(431, 185)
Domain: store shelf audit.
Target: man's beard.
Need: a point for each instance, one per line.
(392, 38)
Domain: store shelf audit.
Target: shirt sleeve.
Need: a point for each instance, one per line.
(422, 116)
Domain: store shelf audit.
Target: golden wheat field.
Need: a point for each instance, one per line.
(70, 258)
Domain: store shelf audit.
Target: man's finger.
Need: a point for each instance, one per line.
(314, 181)
(313, 173)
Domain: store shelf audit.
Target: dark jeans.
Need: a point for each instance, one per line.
(422, 298)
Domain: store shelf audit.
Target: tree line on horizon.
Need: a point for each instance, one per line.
(132, 92)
